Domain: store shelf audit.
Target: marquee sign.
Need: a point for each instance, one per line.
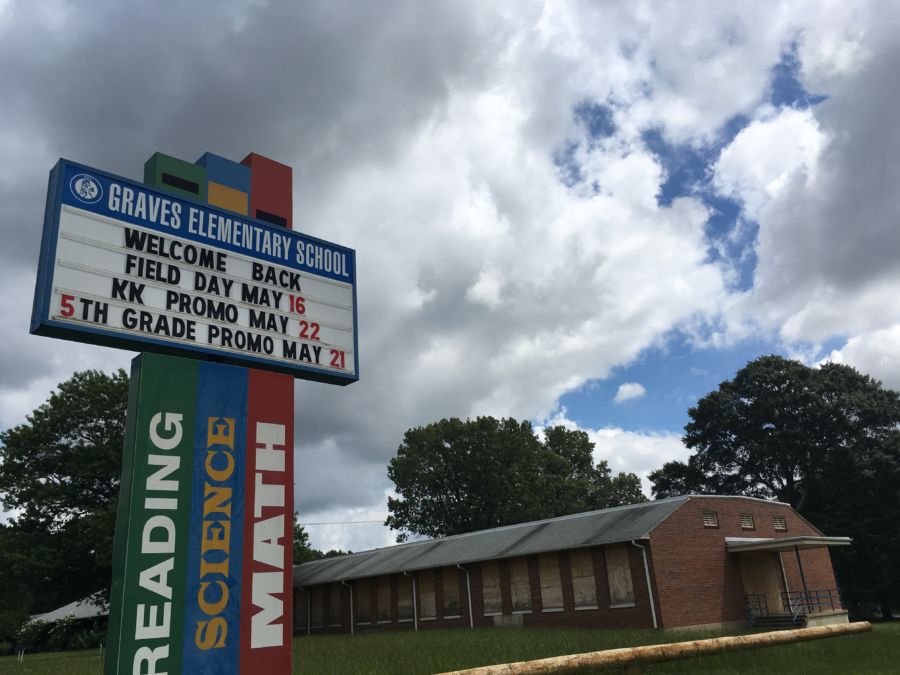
(123, 264)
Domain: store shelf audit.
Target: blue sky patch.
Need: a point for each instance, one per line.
(785, 88)
(675, 377)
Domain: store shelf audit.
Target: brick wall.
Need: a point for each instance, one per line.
(699, 582)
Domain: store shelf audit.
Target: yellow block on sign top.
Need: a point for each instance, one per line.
(226, 197)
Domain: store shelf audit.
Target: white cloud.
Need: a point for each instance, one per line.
(639, 452)
(876, 353)
(628, 391)
(486, 288)
(333, 528)
(820, 183)
(424, 136)
(779, 148)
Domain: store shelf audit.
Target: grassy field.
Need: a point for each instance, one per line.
(436, 651)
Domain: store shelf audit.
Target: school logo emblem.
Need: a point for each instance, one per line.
(86, 188)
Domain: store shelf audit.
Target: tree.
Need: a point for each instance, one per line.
(457, 476)
(825, 440)
(60, 472)
(303, 552)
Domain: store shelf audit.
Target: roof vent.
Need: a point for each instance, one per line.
(747, 521)
(710, 519)
(779, 523)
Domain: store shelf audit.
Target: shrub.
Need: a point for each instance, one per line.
(33, 635)
(60, 633)
(86, 638)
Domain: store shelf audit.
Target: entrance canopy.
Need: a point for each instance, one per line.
(742, 544)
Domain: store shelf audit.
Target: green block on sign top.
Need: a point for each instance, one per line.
(175, 176)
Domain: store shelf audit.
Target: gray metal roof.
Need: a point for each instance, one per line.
(86, 608)
(580, 530)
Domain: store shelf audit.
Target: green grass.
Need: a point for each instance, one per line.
(54, 663)
(436, 651)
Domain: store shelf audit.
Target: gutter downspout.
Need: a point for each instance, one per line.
(350, 586)
(649, 587)
(468, 594)
(415, 608)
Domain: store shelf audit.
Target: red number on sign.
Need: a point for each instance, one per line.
(309, 331)
(296, 304)
(68, 309)
(337, 358)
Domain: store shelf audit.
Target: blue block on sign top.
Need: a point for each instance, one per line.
(225, 172)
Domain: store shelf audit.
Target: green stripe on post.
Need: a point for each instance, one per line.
(150, 551)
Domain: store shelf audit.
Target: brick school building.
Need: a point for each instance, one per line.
(692, 561)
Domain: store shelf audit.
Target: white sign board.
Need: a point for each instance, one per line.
(128, 266)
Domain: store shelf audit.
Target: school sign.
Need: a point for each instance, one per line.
(137, 267)
(198, 268)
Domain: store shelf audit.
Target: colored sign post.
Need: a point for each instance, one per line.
(198, 263)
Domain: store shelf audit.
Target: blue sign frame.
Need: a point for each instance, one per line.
(67, 174)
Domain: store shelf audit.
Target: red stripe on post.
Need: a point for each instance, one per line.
(266, 598)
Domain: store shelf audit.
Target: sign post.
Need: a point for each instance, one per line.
(196, 268)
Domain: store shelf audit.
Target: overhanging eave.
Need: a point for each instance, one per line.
(742, 544)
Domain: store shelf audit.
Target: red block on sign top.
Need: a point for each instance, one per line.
(266, 593)
(270, 190)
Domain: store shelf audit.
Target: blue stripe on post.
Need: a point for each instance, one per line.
(215, 536)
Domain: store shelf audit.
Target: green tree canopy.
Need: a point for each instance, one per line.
(60, 472)
(457, 476)
(825, 440)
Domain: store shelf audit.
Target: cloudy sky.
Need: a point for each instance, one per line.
(578, 212)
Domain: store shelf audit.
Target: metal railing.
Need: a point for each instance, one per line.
(756, 606)
(812, 601)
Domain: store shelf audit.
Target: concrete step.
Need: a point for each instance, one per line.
(779, 622)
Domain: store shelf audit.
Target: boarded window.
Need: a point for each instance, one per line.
(383, 599)
(746, 521)
(404, 598)
(364, 601)
(490, 587)
(584, 587)
(451, 591)
(519, 585)
(318, 607)
(334, 605)
(779, 523)
(551, 587)
(710, 519)
(427, 609)
(301, 607)
(618, 574)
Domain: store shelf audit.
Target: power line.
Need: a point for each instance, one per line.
(347, 522)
